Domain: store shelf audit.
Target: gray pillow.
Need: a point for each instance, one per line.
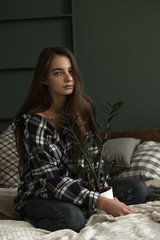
(120, 150)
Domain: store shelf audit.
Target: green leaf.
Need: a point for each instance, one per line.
(75, 119)
(85, 148)
(99, 149)
(82, 173)
(66, 128)
(73, 169)
(107, 168)
(77, 170)
(60, 114)
(60, 119)
(112, 117)
(104, 140)
(98, 136)
(84, 139)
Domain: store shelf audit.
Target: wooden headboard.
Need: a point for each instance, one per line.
(143, 134)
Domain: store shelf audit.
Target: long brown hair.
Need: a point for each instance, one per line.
(38, 98)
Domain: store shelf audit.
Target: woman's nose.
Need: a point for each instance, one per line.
(68, 77)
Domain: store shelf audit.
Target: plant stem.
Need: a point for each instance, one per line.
(87, 157)
(100, 160)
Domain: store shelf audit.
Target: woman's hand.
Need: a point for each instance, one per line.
(113, 206)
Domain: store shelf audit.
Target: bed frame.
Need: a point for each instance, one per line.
(143, 134)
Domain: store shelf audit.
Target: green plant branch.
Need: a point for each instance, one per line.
(113, 113)
(85, 153)
(83, 147)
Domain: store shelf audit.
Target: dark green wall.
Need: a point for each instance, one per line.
(118, 49)
(116, 43)
(26, 27)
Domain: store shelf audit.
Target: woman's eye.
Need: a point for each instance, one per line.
(57, 73)
(71, 71)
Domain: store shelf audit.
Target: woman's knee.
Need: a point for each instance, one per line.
(70, 217)
(75, 218)
(141, 191)
(138, 192)
(51, 214)
(129, 190)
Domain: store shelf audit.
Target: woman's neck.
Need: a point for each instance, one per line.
(58, 104)
(52, 115)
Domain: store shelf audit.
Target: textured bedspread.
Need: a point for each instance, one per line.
(144, 224)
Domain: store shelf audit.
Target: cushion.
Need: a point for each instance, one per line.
(7, 197)
(9, 174)
(145, 163)
(120, 150)
(155, 183)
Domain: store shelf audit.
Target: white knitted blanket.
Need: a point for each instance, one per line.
(144, 224)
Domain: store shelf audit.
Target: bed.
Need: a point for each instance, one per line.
(137, 154)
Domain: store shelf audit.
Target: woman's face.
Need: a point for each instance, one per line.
(60, 78)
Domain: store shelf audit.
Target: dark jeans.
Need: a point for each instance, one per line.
(52, 214)
(128, 190)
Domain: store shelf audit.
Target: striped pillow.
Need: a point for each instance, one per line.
(145, 163)
(9, 175)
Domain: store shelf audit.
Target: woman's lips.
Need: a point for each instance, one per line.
(68, 87)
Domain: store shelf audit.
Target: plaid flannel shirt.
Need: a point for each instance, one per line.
(45, 172)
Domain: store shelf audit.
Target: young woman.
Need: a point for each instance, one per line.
(49, 196)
